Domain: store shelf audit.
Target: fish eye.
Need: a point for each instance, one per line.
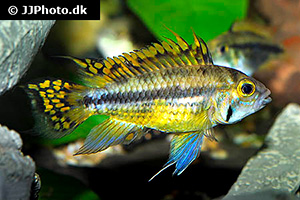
(246, 88)
(223, 49)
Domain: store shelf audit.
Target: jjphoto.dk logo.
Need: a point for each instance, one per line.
(43, 10)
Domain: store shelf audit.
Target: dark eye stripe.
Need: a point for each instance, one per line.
(229, 113)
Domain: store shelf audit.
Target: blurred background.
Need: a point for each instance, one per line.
(270, 54)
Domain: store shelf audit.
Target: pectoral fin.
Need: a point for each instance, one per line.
(209, 133)
(185, 148)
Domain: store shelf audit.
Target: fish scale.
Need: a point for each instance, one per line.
(176, 90)
(171, 87)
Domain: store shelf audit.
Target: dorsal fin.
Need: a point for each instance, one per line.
(251, 27)
(97, 73)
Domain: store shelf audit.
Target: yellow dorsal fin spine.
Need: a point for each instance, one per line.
(97, 73)
(202, 52)
(181, 42)
(144, 60)
(179, 56)
(183, 57)
(154, 63)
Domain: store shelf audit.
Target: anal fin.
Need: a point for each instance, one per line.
(110, 132)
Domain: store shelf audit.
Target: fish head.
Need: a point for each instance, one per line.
(221, 53)
(224, 53)
(246, 97)
(245, 51)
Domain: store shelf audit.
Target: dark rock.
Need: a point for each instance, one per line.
(264, 195)
(275, 167)
(16, 170)
(20, 40)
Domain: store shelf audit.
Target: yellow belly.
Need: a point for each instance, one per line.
(167, 117)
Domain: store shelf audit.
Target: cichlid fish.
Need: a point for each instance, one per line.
(245, 47)
(171, 87)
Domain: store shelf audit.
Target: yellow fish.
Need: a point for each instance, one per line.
(171, 87)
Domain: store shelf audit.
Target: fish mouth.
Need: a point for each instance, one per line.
(265, 99)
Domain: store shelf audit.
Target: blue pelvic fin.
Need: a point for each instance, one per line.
(185, 148)
(209, 133)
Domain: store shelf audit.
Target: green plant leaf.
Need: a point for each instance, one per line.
(62, 187)
(208, 18)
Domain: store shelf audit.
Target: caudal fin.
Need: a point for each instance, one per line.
(57, 106)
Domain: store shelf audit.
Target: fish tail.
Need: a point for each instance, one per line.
(57, 106)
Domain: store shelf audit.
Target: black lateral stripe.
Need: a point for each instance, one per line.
(133, 97)
(266, 47)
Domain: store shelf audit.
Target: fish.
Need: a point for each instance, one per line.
(245, 47)
(173, 87)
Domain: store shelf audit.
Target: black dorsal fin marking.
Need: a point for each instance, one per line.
(97, 73)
